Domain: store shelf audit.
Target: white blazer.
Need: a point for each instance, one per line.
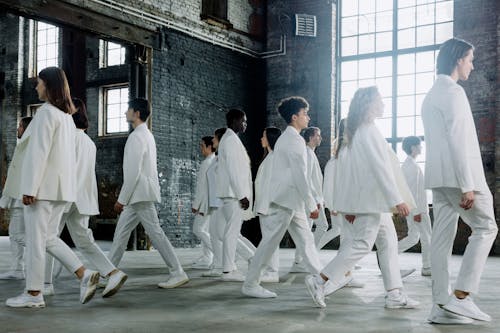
(140, 175)
(453, 158)
(262, 189)
(315, 175)
(200, 202)
(234, 178)
(328, 185)
(213, 200)
(48, 170)
(415, 180)
(367, 177)
(290, 187)
(86, 184)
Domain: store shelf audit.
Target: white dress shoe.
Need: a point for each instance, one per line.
(426, 271)
(26, 300)
(88, 285)
(270, 277)
(316, 289)
(48, 289)
(440, 316)
(396, 299)
(299, 267)
(115, 282)
(406, 272)
(214, 272)
(175, 280)
(467, 308)
(12, 275)
(234, 276)
(257, 291)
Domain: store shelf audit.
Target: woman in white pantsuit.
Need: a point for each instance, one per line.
(369, 186)
(48, 183)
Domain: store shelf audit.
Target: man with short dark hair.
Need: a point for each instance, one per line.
(140, 191)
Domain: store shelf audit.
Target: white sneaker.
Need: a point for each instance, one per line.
(316, 290)
(270, 277)
(234, 276)
(12, 275)
(88, 285)
(175, 280)
(426, 271)
(466, 307)
(115, 282)
(257, 291)
(202, 263)
(214, 272)
(26, 300)
(103, 282)
(396, 299)
(405, 272)
(355, 283)
(440, 316)
(48, 289)
(331, 287)
(299, 267)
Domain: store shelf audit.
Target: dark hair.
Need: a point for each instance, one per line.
(220, 132)
(309, 132)
(449, 53)
(57, 89)
(25, 121)
(409, 142)
(289, 106)
(140, 105)
(207, 140)
(340, 136)
(272, 135)
(233, 115)
(80, 116)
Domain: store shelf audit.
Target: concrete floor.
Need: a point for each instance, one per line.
(208, 305)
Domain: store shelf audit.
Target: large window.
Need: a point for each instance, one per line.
(392, 44)
(44, 46)
(111, 54)
(115, 104)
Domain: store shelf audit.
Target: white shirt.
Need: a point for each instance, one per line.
(213, 200)
(200, 202)
(262, 189)
(315, 176)
(415, 180)
(453, 157)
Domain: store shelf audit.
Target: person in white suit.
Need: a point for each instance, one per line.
(15, 207)
(419, 221)
(234, 188)
(262, 195)
(454, 172)
(290, 198)
(201, 207)
(77, 214)
(369, 186)
(48, 184)
(139, 192)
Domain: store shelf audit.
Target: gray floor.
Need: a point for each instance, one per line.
(208, 305)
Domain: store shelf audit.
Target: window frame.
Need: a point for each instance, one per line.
(33, 47)
(104, 54)
(103, 110)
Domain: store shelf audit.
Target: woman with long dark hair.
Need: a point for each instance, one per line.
(48, 184)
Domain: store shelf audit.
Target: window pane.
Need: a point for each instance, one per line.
(348, 89)
(405, 126)
(366, 68)
(406, 18)
(349, 8)
(365, 7)
(384, 5)
(349, 70)
(388, 107)
(425, 35)
(406, 105)
(444, 11)
(425, 14)
(344, 109)
(385, 126)
(406, 84)
(366, 43)
(444, 32)
(406, 38)
(418, 103)
(384, 41)
(405, 3)
(114, 96)
(384, 21)
(419, 126)
(117, 103)
(406, 63)
(424, 82)
(366, 23)
(383, 66)
(349, 46)
(366, 83)
(350, 26)
(384, 86)
(425, 61)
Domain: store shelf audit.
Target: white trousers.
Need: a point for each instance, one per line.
(244, 248)
(16, 237)
(368, 229)
(481, 219)
(321, 226)
(335, 230)
(144, 213)
(418, 231)
(231, 220)
(273, 266)
(78, 227)
(278, 221)
(42, 220)
(200, 230)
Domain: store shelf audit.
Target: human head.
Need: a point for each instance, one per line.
(23, 125)
(411, 145)
(365, 106)
(269, 137)
(294, 110)
(206, 145)
(455, 55)
(312, 135)
(80, 117)
(217, 136)
(52, 87)
(138, 110)
(236, 120)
